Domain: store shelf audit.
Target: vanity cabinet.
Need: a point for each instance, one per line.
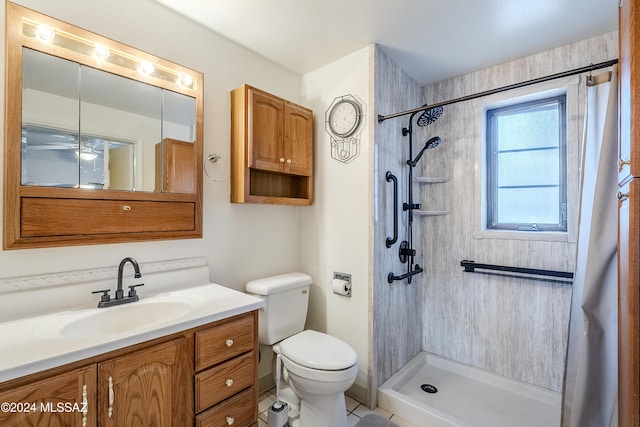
(150, 384)
(206, 376)
(66, 399)
(226, 374)
(271, 149)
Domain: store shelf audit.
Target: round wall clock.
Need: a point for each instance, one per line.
(344, 117)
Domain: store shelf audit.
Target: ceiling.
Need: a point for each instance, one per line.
(431, 40)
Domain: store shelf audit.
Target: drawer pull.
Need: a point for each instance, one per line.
(111, 397)
(126, 207)
(229, 343)
(85, 405)
(229, 382)
(230, 421)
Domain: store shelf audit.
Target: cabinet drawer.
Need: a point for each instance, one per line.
(239, 410)
(67, 217)
(216, 384)
(224, 341)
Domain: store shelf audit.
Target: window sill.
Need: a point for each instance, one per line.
(548, 236)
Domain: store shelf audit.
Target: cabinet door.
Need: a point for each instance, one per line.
(149, 387)
(629, 305)
(298, 140)
(63, 400)
(265, 133)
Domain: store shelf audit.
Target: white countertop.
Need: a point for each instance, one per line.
(31, 344)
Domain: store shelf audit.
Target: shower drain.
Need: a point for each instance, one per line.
(428, 388)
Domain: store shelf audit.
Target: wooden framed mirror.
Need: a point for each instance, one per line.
(103, 142)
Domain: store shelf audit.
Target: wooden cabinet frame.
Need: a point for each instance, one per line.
(90, 207)
(629, 215)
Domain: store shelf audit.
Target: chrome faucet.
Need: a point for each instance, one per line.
(132, 296)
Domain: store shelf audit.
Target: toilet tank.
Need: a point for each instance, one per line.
(286, 298)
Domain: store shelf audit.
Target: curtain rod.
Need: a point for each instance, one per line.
(591, 67)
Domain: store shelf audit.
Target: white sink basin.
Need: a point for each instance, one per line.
(115, 320)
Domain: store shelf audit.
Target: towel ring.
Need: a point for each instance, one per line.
(213, 158)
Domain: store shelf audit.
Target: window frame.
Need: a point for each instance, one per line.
(492, 166)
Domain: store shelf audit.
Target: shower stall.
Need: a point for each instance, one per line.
(496, 335)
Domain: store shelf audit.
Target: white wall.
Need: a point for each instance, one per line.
(241, 242)
(335, 230)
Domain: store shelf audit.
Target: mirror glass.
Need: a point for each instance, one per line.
(87, 128)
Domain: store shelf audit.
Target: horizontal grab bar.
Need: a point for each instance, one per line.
(470, 266)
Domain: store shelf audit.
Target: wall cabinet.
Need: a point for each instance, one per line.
(205, 376)
(97, 185)
(271, 149)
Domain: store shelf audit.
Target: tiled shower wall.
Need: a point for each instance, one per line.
(512, 327)
(396, 318)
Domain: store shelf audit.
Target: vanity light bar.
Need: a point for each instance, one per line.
(86, 47)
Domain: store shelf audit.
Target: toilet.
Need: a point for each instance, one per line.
(318, 367)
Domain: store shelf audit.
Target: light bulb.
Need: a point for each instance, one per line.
(186, 80)
(147, 67)
(101, 52)
(45, 33)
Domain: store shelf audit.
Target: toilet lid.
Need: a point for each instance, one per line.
(316, 350)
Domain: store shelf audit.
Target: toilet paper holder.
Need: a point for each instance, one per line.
(345, 288)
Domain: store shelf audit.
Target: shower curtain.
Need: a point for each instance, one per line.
(590, 391)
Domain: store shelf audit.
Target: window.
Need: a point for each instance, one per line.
(526, 166)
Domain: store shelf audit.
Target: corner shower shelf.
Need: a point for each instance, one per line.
(430, 213)
(429, 179)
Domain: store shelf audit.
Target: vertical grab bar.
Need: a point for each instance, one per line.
(391, 177)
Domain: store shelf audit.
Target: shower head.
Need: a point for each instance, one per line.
(432, 143)
(429, 116)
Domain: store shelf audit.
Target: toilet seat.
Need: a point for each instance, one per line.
(318, 351)
(319, 375)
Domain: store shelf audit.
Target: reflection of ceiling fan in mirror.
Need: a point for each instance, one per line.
(43, 138)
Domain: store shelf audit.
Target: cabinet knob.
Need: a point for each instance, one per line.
(230, 421)
(622, 196)
(281, 159)
(126, 208)
(288, 161)
(229, 382)
(229, 343)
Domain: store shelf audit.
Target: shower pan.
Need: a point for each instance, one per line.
(406, 251)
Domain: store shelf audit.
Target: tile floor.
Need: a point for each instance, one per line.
(355, 411)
